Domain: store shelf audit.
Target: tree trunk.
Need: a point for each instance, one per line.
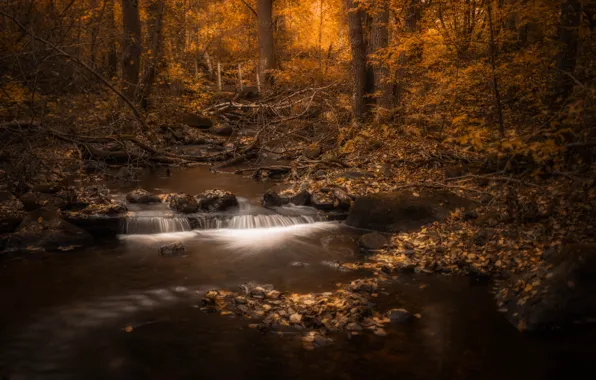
(569, 41)
(413, 16)
(156, 14)
(380, 41)
(358, 49)
(131, 57)
(266, 41)
(492, 52)
(112, 54)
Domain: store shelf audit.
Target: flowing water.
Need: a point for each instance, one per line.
(63, 316)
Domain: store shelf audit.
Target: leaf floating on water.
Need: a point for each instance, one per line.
(128, 329)
(224, 313)
(39, 220)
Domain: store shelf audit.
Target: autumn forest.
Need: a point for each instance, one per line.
(330, 168)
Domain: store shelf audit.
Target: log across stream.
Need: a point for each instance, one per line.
(119, 310)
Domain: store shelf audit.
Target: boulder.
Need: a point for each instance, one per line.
(47, 188)
(196, 121)
(172, 249)
(403, 211)
(142, 196)
(302, 198)
(342, 200)
(272, 199)
(322, 201)
(183, 203)
(44, 229)
(312, 152)
(561, 292)
(223, 130)
(372, 241)
(216, 200)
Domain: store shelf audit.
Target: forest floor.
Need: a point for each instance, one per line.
(523, 213)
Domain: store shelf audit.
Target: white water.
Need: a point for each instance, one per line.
(264, 221)
(143, 225)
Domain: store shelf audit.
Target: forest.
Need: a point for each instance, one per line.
(333, 173)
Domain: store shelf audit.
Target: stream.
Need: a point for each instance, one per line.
(64, 316)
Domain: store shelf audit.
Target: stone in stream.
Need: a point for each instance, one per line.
(172, 249)
(372, 241)
(184, 203)
(399, 315)
(562, 291)
(403, 211)
(273, 199)
(216, 200)
(44, 229)
(142, 196)
(342, 200)
(302, 198)
(322, 201)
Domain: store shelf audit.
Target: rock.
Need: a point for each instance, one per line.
(47, 188)
(312, 152)
(470, 215)
(224, 130)
(183, 203)
(399, 315)
(322, 201)
(216, 200)
(44, 229)
(272, 199)
(12, 214)
(372, 241)
(196, 121)
(342, 200)
(33, 201)
(561, 292)
(302, 198)
(320, 174)
(403, 211)
(172, 249)
(142, 196)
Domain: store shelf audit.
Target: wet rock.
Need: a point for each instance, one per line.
(364, 286)
(172, 249)
(217, 200)
(322, 201)
(224, 130)
(183, 203)
(561, 292)
(372, 241)
(403, 211)
(196, 121)
(342, 200)
(44, 229)
(302, 198)
(142, 196)
(273, 199)
(312, 152)
(399, 315)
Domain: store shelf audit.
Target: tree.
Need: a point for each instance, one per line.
(569, 42)
(358, 50)
(131, 57)
(267, 61)
(379, 42)
(156, 14)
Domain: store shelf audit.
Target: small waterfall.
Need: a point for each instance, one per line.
(143, 225)
(264, 221)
